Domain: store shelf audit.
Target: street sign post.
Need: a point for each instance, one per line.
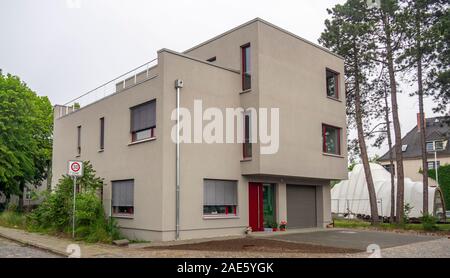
(75, 169)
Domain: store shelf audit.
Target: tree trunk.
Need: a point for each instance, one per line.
(391, 157)
(363, 150)
(396, 122)
(421, 114)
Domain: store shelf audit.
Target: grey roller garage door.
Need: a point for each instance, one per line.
(301, 206)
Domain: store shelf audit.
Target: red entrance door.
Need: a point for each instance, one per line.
(255, 206)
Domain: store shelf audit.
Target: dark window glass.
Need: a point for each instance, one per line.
(102, 133)
(247, 137)
(246, 68)
(212, 59)
(331, 139)
(332, 84)
(79, 140)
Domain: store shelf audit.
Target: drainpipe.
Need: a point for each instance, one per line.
(178, 86)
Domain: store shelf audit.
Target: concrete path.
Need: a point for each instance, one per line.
(355, 239)
(12, 249)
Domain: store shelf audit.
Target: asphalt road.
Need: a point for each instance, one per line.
(11, 249)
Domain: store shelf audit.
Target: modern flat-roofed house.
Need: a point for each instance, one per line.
(437, 134)
(224, 188)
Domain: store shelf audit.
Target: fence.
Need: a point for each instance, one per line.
(130, 78)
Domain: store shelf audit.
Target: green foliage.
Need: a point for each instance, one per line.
(55, 213)
(406, 211)
(444, 181)
(429, 222)
(12, 219)
(25, 135)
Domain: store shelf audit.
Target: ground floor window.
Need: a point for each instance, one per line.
(219, 197)
(123, 197)
(433, 165)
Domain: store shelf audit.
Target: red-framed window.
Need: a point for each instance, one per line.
(246, 67)
(331, 139)
(332, 81)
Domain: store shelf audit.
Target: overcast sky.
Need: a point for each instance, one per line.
(63, 48)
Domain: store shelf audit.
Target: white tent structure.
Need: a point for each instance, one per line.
(351, 197)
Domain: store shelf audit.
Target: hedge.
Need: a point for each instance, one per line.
(444, 182)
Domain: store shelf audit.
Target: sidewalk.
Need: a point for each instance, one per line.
(59, 246)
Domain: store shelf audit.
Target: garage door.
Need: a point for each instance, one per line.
(301, 206)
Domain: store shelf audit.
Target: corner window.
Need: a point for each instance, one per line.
(389, 168)
(331, 137)
(247, 146)
(123, 197)
(143, 121)
(219, 198)
(246, 67)
(79, 140)
(212, 59)
(102, 133)
(332, 78)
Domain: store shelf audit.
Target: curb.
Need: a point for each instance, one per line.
(36, 245)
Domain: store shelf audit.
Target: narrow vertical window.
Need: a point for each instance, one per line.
(247, 146)
(246, 68)
(332, 84)
(79, 140)
(102, 133)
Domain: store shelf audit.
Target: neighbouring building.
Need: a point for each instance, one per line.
(437, 134)
(224, 188)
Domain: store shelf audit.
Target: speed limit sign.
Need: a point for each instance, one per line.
(75, 168)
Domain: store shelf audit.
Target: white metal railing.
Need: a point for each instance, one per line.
(131, 77)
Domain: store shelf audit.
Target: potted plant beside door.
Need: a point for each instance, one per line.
(274, 226)
(283, 225)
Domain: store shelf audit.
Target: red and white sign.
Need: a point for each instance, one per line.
(75, 168)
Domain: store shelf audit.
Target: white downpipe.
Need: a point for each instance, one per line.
(178, 86)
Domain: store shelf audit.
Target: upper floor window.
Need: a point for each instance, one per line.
(123, 197)
(247, 146)
(432, 165)
(102, 133)
(331, 137)
(79, 140)
(219, 198)
(433, 146)
(246, 67)
(332, 84)
(143, 121)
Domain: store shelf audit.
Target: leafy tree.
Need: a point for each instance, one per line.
(420, 55)
(389, 35)
(349, 34)
(25, 135)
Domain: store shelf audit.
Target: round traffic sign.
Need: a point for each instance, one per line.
(75, 167)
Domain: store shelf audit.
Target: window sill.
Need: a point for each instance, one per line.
(245, 91)
(101, 150)
(78, 155)
(333, 155)
(246, 159)
(123, 216)
(335, 99)
(220, 216)
(142, 141)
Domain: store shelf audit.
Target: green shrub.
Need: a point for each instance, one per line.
(54, 215)
(444, 181)
(429, 222)
(12, 219)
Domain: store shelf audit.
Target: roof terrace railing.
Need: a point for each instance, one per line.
(130, 78)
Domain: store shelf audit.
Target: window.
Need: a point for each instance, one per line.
(435, 146)
(219, 198)
(430, 146)
(102, 133)
(212, 59)
(404, 148)
(431, 165)
(123, 197)
(79, 140)
(332, 84)
(143, 121)
(247, 146)
(331, 139)
(246, 68)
